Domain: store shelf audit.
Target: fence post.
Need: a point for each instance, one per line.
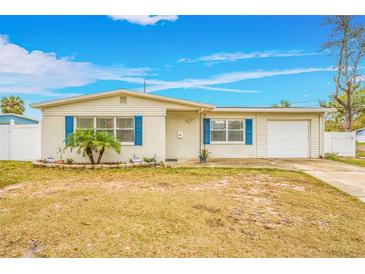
(10, 137)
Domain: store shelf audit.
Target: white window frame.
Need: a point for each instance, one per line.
(114, 125)
(227, 130)
(108, 128)
(115, 129)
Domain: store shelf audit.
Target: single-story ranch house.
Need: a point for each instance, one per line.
(174, 129)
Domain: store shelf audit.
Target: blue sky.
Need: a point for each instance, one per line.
(224, 60)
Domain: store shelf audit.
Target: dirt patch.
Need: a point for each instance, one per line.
(34, 248)
(215, 222)
(11, 188)
(209, 209)
(219, 185)
(293, 187)
(267, 218)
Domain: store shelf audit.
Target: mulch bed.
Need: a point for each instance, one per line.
(98, 166)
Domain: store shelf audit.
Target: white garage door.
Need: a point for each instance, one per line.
(288, 139)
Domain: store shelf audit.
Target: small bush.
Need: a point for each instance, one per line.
(150, 160)
(331, 156)
(69, 161)
(203, 155)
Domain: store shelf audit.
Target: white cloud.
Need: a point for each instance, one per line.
(226, 78)
(235, 56)
(229, 89)
(144, 20)
(38, 72)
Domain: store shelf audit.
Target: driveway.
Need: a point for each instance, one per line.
(348, 178)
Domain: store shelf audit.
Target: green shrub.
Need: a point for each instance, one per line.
(203, 155)
(331, 156)
(150, 160)
(69, 161)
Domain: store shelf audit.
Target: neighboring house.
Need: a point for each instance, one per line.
(360, 135)
(5, 119)
(174, 129)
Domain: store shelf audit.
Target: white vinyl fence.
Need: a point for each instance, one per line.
(343, 143)
(20, 142)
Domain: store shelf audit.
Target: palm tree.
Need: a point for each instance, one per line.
(283, 104)
(87, 142)
(84, 141)
(12, 104)
(106, 141)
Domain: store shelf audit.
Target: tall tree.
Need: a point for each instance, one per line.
(347, 44)
(12, 104)
(282, 104)
(336, 121)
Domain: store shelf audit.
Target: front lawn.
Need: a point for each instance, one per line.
(175, 212)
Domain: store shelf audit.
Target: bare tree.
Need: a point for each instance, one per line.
(347, 43)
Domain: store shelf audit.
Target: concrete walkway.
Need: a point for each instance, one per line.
(348, 178)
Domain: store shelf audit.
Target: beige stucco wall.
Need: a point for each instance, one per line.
(53, 135)
(258, 149)
(188, 146)
(153, 112)
(233, 150)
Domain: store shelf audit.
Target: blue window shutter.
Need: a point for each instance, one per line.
(248, 132)
(138, 130)
(206, 131)
(69, 126)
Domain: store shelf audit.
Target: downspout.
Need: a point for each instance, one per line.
(200, 129)
(204, 145)
(255, 134)
(321, 130)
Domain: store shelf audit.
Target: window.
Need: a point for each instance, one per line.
(105, 124)
(125, 130)
(120, 127)
(226, 130)
(85, 123)
(218, 131)
(235, 131)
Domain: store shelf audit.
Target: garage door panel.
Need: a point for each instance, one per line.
(288, 139)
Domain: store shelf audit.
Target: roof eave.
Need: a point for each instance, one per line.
(275, 110)
(75, 99)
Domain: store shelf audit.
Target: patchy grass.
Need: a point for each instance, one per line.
(175, 212)
(349, 160)
(352, 161)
